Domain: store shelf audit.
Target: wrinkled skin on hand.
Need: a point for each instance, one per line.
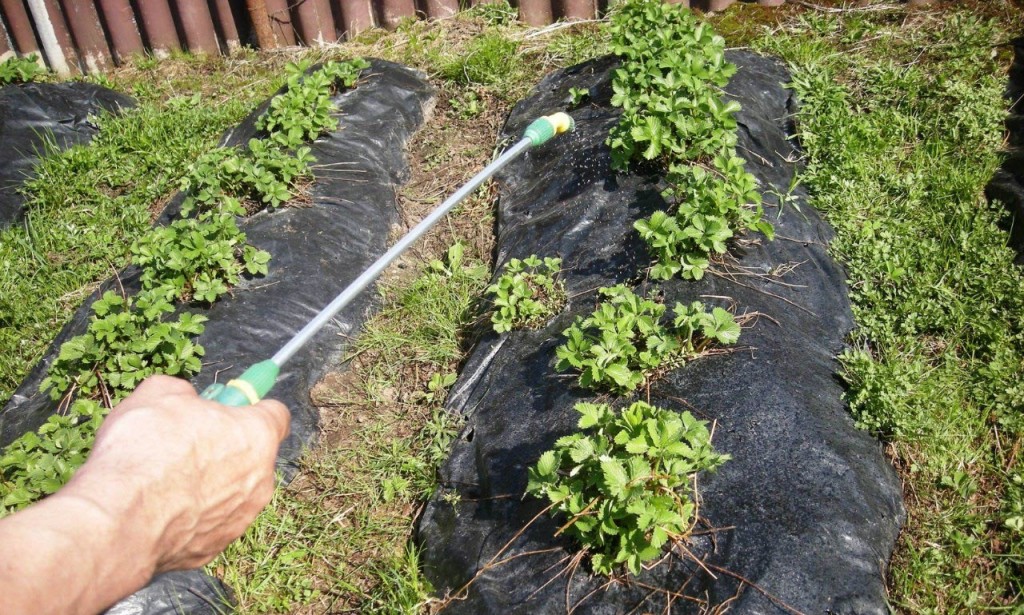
(171, 481)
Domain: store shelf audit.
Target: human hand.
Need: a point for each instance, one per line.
(187, 475)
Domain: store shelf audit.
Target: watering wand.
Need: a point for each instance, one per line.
(256, 381)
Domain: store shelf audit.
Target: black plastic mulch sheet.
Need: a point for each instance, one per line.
(808, 509)
(36, 118)
(1007, 185)
(317, 250)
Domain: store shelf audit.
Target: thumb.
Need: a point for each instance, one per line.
(274, 414)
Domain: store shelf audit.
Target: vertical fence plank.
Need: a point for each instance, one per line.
(158, 26)
(712, 5)
(579, 9)
(261, 24)
(20, 27)
(6, 46)
(536, 12)
(442, 9)
(224, 22)
(356, 16)
(315, 22)
(281, 21)
(197, 25)
(54, 36)
(86, 31)
(392, 12)
(125, 39)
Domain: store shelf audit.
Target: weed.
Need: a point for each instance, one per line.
(468, 105)
(489, 60)
(625, 489)
(348, 512)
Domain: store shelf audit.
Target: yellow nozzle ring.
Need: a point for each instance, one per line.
(245, 388)
(562, 122)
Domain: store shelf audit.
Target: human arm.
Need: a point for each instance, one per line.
(171, 481)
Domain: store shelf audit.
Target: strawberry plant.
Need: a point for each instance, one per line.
(38, 463)
(303, 111)
(669, 90)
(197, 258)
(264, 174)
(624, 342)
(128, 339)
(20, 70)
(624, 485)
(131, 338)
(527, 293)
(577, 96)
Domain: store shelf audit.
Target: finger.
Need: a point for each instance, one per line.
(161, 386)
(156, 387)
(275, 415)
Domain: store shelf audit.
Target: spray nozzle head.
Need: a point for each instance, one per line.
(543, 128)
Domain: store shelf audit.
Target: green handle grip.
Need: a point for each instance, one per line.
(247, 389)
(542, 129)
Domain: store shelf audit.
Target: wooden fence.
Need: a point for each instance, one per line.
(93, 35)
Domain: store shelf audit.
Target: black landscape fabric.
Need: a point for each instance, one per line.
(317, 250)
(807, 511)
(37, 118)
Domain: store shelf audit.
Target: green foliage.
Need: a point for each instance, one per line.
(269, 171)
(577, 96)
(20, 70)
(624, 342)
(197, 258)
(499, 13)
(489, 60)
(902, 128)
(468, 106)
(527, 293)
(625, 487)
(422, 323)
(86, 205)
(40, 462)
(128, 339)
(303, 111)
(437, 387)
(669, 90)
(265, 173)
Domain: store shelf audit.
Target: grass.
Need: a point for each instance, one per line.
(902, 127)
(87, 203)
(901, 123)
(338, 538)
